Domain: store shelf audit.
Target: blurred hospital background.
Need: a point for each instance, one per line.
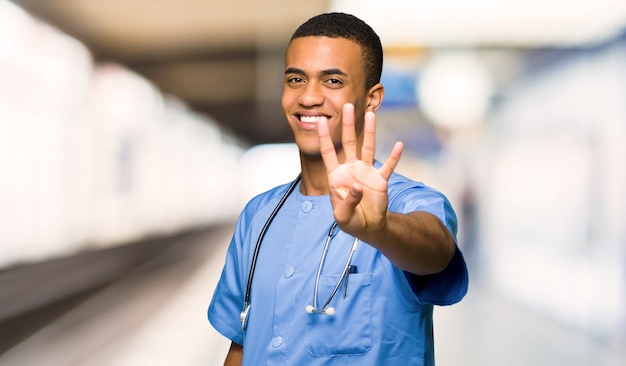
(132, 132)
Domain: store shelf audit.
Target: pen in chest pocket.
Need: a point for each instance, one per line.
(351, 269)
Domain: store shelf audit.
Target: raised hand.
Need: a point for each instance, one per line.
(358, 191)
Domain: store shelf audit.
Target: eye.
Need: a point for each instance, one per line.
(334, 82)
(294, 80)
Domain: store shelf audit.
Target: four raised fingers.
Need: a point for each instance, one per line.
(348, 139)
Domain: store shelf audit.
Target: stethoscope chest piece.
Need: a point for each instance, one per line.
(243, 316)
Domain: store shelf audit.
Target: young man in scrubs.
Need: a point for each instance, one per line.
(310, 302)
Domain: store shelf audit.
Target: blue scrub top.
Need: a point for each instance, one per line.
(386, 315)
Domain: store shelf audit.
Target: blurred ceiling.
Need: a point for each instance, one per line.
(510, 23)
(224, 58)
(211, 54)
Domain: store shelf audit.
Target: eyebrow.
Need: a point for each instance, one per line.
(333, 72)
(294, 70)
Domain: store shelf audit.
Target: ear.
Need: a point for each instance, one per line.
(375, 97)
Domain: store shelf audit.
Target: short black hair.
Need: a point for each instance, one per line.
(341, 25)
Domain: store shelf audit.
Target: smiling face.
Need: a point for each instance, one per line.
(321, 75)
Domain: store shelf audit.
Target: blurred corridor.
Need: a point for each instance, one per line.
(131, 136)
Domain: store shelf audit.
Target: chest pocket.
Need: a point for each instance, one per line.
(349, 330)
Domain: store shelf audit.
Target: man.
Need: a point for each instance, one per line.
(353, 255)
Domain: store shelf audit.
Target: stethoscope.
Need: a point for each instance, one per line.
(311, 309)
(325, 309)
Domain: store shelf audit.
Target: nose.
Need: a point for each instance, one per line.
(311, 95)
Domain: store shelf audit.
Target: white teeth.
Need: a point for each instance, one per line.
(310, 119)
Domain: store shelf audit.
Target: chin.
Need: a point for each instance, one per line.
(309, 150)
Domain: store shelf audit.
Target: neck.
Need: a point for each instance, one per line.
(314, 177)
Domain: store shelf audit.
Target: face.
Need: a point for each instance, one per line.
(321, 75)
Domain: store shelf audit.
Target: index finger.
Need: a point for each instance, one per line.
(327, 148)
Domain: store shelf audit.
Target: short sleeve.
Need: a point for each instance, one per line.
(227, 303)
(450, 285)
(444, 288)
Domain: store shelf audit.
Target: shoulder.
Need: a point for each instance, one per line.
(265, 201)
(401, 188)
(407, 195)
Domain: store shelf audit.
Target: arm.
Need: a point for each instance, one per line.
(235, 355)
(417, 242)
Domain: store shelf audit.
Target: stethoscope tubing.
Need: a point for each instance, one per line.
(346, 268)
(311, 309)
(257, 248)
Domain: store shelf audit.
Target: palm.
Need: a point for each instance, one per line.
(358, 191)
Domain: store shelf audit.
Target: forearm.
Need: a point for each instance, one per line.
(417, 242)
(234, 356)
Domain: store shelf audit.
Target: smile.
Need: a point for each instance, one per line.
(310, 119)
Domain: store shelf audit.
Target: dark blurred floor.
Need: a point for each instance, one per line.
(143, 317)
(33, 294)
